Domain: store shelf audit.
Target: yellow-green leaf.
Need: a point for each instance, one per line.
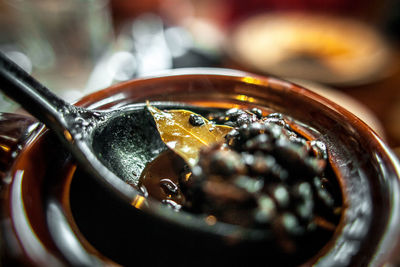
(182, 137)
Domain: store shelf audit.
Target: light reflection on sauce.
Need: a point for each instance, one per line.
(160, 179)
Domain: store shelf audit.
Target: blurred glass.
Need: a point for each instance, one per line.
(57, 41)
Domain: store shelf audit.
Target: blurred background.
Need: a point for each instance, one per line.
(348, 51)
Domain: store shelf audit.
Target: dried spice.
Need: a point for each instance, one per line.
(184, 137)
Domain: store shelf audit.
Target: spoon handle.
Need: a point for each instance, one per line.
(71, 124)
(32, 95)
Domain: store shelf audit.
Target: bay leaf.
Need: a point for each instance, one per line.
(182, 137)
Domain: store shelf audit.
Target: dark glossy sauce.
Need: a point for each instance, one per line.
(160, 179)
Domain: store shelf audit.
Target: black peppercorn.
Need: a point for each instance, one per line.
(196, 120)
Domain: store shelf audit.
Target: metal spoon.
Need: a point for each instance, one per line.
(74, 126)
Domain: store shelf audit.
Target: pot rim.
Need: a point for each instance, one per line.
(388, 243)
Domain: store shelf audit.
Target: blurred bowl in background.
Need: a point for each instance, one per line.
(322, 48)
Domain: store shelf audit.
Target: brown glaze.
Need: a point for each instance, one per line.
(368, 174)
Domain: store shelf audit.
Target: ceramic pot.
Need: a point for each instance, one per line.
(54, 214)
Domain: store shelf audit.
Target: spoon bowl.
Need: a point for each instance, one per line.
(74, 126)
(127, 142)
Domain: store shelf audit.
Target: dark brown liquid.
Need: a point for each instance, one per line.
(160, 179)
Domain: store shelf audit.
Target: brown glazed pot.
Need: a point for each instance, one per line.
(53, 214)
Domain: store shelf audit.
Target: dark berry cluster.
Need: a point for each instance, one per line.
(236, 117)
(264, 176)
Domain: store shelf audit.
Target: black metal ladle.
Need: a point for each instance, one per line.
(76, 126)
(113, 147)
